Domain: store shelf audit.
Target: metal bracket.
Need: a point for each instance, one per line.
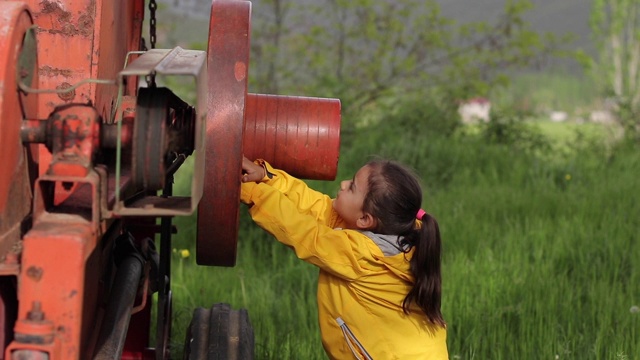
(168, 62)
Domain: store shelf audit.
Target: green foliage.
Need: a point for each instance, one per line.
(512, 129)
(363, 51)
(629, 117)
(616, 28)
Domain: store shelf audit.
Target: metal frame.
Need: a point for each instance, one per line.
(168, 62)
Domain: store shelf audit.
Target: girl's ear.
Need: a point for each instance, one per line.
(366, 222)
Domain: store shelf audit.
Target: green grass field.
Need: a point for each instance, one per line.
(541, 247)
(540, 252)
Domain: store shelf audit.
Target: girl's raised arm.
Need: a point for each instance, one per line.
(332, 250)
(307, 200)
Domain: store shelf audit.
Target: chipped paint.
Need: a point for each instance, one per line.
(240, 70)
(55, 8)
(52, 72)
(84, 26)
(66, 96)
(35, 273)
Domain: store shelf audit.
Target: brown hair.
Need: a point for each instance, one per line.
(394, 198)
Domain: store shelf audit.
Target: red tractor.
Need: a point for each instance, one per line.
(91, 140)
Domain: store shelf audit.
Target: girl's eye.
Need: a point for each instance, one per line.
(351, 186)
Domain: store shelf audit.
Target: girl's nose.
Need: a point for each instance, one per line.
(344, 185)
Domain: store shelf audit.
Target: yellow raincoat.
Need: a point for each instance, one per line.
(358, 287)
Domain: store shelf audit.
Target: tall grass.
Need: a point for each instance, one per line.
(544, 269)
(540, 250)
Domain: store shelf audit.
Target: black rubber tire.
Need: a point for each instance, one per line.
(219, 333)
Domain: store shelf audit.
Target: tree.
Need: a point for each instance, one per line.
(365, 50)
(272, 19)
(616, 30)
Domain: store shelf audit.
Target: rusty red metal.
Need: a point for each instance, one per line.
(17, 160)
(13, 26)
(228, 61)
(300, 135)
(62, 292)
(58, 247)
(77, 33)
(35, 327)
(73, 137)
(50, 281)
(61, 266)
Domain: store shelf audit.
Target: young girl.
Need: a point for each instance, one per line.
(379, 287)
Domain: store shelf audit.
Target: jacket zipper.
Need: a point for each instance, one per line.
(351, 340)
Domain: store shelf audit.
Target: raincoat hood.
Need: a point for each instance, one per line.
(395, 258)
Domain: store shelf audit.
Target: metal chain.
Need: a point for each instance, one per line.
(152, 23)
(151, 79)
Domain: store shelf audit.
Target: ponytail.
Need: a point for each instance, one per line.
(425, 267)
(394, 194)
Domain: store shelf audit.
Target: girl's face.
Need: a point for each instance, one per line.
(350, 199)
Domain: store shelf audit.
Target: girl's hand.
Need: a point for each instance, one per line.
(252, 171)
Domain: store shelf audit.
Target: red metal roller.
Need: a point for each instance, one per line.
(227, 67)
(300, 135)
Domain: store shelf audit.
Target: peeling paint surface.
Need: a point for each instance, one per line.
(51, 72)
(35, 273)
(55, 7)
(66, 96)
(64, 22)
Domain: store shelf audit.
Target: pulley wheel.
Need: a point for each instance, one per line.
(18, 60)
(228, 65)
(150, 138)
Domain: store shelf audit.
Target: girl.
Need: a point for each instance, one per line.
(379, 285)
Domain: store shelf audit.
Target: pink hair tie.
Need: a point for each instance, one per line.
(420, 214)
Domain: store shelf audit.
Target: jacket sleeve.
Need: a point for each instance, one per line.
(336, 251)
(307, 200)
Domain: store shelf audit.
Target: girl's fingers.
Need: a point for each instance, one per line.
(252, 171)
(251, 176)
